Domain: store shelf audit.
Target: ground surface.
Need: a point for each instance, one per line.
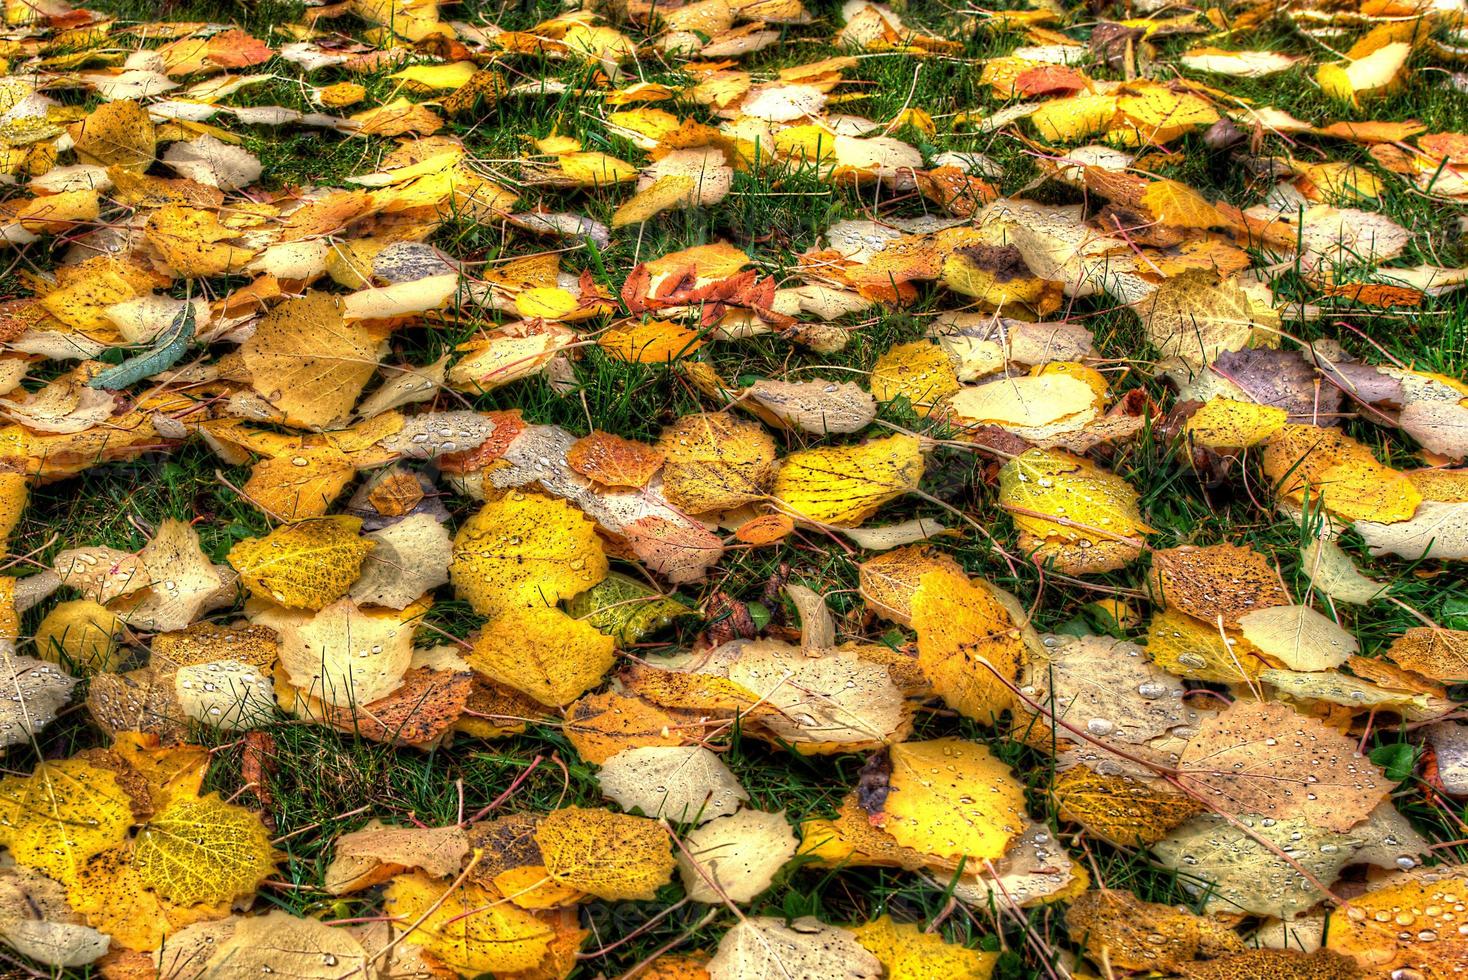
(328, 783)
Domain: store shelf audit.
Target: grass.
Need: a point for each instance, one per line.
(328, 783)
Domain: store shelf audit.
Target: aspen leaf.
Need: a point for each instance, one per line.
(376, 852)
(203, 851)
(735, 857)
(1441, 654)
(846, 485)
(909, 953)
(31, 693)
(970, 807)
(343, 654)
(969, 647)
(761, 948)
(682, 784)
(920, 372)
(308, 565)
(1123, 930)
(525, 550)
(118, 134)
(1298, 637)
(62, 814)
(81, 636)
(715, 462)
(650, 342)
(610, 855)
(1422, 905)
(1223, 423)
(1092, 509)
(1118, 808)
(279, 943)
(614, 461)
(473, 930)
(602, 725)
(1264, 758)
(1333, 572)
(544, 653)
(309, 362)
(1222, 582)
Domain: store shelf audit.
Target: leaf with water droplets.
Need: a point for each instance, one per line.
(951, 799)
(544, 653)
(307, 565)
(736, 857)
(610, 855)
(525, 549)
(1119, 928)
(1265, 758)
(204, 851)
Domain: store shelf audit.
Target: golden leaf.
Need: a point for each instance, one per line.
(525, 549)
(1223, 423)
(715, 462)
(204, 851)
(952, 799)
(1121, 929)
(969, 647)
(909, 953)
(62, 814)
(1265, 758)
(1120, 809)
(473, 931)
(307, 565)
(308, 362)
(920, 371)
(845, 485)
(544, 653)
(610, 855)
(1406, 925)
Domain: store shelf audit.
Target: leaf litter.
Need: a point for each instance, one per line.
(832, 628)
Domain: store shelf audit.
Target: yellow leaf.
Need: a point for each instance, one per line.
(969, 647)
(1195, 318)
(308, 565)
(82, 637)
(61, 815)
(1178, 205)
(473, 931)
(595, 169)
(667, 192)
(653, 342)
(1189, 647)
(909, 953)
(525, 549)
(309, 363)
(115, 899)
(1067, 119)
(343, 654)
(1384, 930)
(546, 302)
(952, 799)
(845, 485)
(1223, 423)
(919, 371)
(1121, 929)
(715, 461)
(544, 653)
(1374, 74)
(1059, 499)
(613, 856)
(118, 134)
(431, 77)
(1120, 809)
(204, 851)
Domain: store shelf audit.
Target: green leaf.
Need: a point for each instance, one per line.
(1398, 760)
(625, 609)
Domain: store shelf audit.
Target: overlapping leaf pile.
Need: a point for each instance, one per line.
(448, 537)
